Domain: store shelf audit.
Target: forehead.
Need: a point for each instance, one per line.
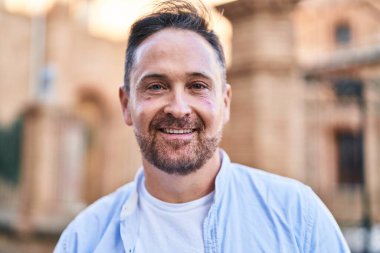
(176, 50)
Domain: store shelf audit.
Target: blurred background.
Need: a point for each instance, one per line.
(306, 104)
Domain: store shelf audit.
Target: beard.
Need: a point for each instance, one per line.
(180, 157)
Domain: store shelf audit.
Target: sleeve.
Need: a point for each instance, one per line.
(322, 232)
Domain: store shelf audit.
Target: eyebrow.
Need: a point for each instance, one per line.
(166, 78)
(200, 74)
(152, 75)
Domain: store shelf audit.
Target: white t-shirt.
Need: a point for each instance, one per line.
(169, 227)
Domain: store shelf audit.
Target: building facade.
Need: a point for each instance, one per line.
(339, 58)
(59, 99)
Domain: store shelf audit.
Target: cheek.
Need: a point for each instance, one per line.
(143, 114)
(210, 112)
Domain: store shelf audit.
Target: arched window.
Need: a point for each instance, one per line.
(82, 149)
(92, 111)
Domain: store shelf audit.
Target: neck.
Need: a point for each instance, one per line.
(179, 189)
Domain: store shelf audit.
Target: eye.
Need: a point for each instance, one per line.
(198, 86)
(155, 87)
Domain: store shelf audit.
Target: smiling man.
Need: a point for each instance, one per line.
(177, 101)
(188, 196)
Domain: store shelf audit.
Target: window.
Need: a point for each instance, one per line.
(348, 89)
(350, 157)
(342, 34)
(11, 151)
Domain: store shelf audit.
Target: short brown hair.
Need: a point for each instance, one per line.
(179, 14)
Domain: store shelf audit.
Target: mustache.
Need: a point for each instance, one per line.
(169, 121)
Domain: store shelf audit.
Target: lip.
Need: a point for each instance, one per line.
(177, 134)
(177, 130)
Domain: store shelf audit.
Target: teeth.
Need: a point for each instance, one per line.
(177, 131)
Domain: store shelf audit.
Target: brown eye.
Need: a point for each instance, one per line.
(198, 86)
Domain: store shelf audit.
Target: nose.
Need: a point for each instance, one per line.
(178, 105)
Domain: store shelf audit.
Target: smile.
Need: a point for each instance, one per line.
(177, 131)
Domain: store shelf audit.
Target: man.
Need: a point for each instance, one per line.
(189, 197)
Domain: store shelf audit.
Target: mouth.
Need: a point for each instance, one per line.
(176, 131)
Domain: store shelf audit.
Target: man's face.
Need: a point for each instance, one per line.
(178, 101)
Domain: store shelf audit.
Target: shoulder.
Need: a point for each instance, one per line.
(258, 185)
(268, 183)
(277, 199)
(293, 204)
(98, 216)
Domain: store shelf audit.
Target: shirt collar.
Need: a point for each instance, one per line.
(223, 176)
(130, 204)
(220, 182)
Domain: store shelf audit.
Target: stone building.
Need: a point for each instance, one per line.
(306, 97)
(350, 69)
(306, 104)
(61, 83)
(339, 58)
(306, 101)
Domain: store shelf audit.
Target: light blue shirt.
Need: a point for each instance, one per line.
(252, 211)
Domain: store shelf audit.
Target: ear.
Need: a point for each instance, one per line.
(124, 100)
(227, 102)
